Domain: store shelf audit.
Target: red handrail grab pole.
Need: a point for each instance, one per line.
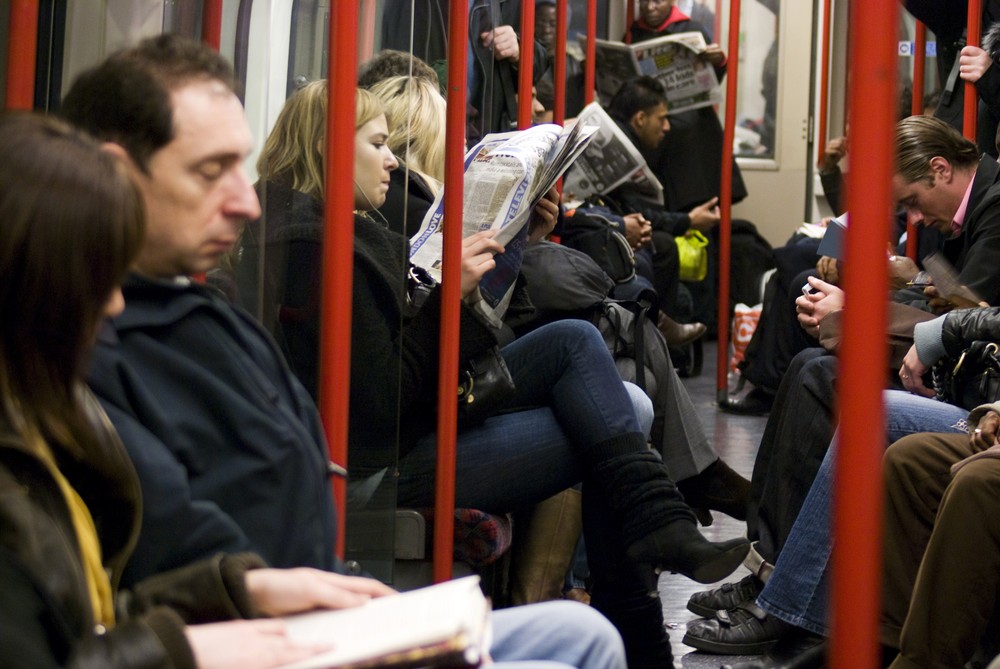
(559, 67)
(451, 295)
(338, 247)
(917, 107)
(366, 31)
(629, 14)
(857, 565)
(824, 81)
(211, 23)
(726, 201)
(590, 62)
(526, 64)
(21, 45)
(971, 102)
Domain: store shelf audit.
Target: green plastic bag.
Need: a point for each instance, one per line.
(691, 248)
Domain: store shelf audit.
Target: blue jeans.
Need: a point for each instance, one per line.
(555, 635)
(515, 460)
(797, 591)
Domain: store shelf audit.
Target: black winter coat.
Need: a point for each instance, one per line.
(227, 443)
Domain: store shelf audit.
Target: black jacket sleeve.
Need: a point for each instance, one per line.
(964, 326)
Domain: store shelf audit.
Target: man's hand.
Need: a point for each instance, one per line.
(901, 271)
(814, 307)
(544, 217)
(828, 270)
(911, 373)
(705, 216)
(985, 434)
(246, 644)
(638, 231)
(834, 152)
(939, 305)
(503, 40)
(713, 54)
(973, 63)
(277, 592)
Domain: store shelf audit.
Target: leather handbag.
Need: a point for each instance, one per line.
(485, 387)
(973, 378)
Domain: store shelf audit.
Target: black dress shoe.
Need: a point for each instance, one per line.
(725, 597)
(718, 487)
(798, 650)
(757, 402)
(745, 630)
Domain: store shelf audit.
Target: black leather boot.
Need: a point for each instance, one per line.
(638, 618)
(718, 487)
(658, 528)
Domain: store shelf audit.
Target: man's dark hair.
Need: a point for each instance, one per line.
(636, 95)
(391, 63)
(126, 99)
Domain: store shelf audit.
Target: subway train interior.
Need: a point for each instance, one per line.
(725, 192)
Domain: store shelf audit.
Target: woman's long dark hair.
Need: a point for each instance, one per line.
(71, 223)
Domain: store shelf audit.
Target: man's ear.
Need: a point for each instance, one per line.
(941, 166)
(637, 119)
(118, 151)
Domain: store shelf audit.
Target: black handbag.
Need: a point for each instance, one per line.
(485, 387)
(971, 380)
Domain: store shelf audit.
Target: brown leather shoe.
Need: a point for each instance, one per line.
(678, 334)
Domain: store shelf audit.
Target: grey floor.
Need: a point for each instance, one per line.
(736, 439)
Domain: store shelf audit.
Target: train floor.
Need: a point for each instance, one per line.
(736, 439)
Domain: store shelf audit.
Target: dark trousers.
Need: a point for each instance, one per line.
(796, 437)
(942, 550)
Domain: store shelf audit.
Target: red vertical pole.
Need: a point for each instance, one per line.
(629, 14)
(824, 80)
(917, 107)
(366, 31)
(971, 108)
(21, 45)
(338, 246)
(726, 201)
(211, 23)
(451, 296)
(591, 55)
(857, 564)
(559, 67)
(526, 64)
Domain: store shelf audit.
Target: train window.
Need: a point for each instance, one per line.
(183, 17)
(757, 98)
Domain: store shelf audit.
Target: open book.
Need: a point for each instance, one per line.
(444, 625)
(506, 174)
(672, 59)
(609, 161)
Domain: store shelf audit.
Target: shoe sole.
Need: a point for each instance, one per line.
(721, 648)
(721, 567)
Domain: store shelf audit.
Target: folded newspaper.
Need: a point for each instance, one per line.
(609, 161)
(506, 175)
(444, 625)
(672, 59)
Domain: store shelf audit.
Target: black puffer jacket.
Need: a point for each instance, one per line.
(46, 619)
(964, 326)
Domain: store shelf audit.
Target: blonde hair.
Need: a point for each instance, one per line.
(367, 108)
(416, 113)
(292, 154)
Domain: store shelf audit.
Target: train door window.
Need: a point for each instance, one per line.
(757, 97)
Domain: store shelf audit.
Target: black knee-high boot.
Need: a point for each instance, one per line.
(638, 618)
(658, 529)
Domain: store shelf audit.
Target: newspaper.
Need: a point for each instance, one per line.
(673, 59)
(506, 174)
(609, 161)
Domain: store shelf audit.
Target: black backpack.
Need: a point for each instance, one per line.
(598, 231)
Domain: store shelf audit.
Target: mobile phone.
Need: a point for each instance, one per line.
(920, 280)
(807, 289)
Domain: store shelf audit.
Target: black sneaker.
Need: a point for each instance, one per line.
(725, 597)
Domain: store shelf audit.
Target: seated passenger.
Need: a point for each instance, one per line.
(582, 427)
(797, 436)
(70, 225)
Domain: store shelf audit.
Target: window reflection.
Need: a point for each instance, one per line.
(757, 98)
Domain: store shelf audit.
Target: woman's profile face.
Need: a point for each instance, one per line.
(372, 163)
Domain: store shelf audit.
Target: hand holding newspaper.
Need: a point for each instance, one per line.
(672, 59)
(609, 161)
(444, 625)
(506, 175)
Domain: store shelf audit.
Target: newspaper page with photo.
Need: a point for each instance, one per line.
(674, 60)
(609, 161)
(506, 174)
